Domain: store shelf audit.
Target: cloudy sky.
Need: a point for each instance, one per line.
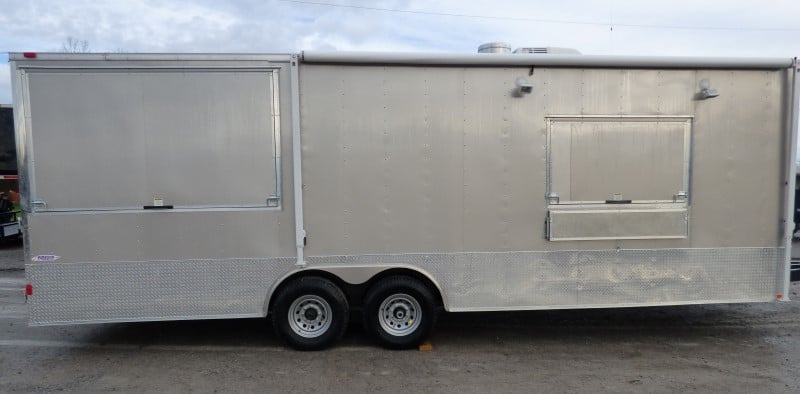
(631, 27)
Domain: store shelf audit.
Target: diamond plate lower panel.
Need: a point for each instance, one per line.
(575, 279)
(151, 290)
(194, 289)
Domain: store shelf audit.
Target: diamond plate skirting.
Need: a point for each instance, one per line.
(66, 293)
(196, 289)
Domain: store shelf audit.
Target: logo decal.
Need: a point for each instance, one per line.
(45, 257)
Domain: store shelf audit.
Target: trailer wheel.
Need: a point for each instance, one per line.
(310, 313)
(400, 312)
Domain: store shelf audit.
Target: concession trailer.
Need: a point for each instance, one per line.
(305, 186)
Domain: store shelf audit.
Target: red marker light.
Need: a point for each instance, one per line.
(29, 55)
(28, 289)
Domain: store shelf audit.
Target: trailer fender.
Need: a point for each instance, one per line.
(353, 275)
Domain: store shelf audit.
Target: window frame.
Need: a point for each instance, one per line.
(553, 199)
(273, 201)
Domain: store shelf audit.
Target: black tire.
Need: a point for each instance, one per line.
(390, 304)
(308, 292)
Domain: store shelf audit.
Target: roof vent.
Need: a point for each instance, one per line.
(495, 47)
(547, 50)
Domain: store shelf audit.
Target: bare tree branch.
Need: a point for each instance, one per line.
(73, 45)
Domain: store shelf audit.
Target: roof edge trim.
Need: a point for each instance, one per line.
(485, 59)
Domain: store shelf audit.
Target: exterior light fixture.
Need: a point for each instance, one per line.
(523, 87)
(706, 91)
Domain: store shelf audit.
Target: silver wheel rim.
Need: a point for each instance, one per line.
(400, 314)
(310, 316)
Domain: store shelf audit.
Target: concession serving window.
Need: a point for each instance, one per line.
(199, 138)
(618, 177)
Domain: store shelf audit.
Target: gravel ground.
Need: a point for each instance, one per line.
(711, 348)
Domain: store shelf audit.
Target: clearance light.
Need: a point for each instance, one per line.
(28, 289)
(29, 55)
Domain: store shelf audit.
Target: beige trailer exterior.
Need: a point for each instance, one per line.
(614, 182)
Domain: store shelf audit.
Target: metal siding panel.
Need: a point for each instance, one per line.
(524, 163)
(443, 176)
(603, 91)
(418, 159)
(343, 171)
(674, 91)
(397, 160)
(487, 95)
(736, 161)
(403, 184)
(640, 93)
(367, 176)
(160, 235)
(322, 121)
(617, 92)
(561, 91)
